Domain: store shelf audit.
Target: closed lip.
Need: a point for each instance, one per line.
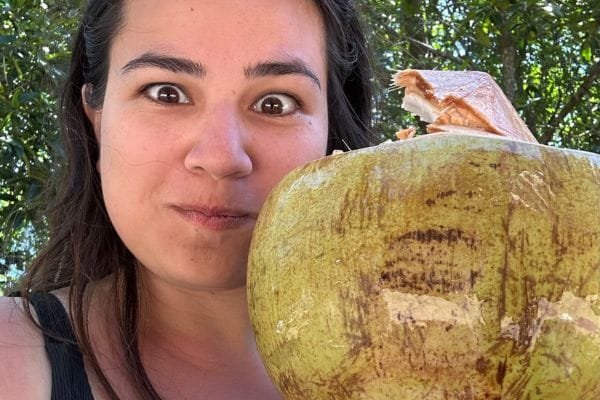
(215, 217)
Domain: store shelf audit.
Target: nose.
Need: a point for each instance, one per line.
(220, 146)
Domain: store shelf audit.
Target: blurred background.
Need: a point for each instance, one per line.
(544, 54)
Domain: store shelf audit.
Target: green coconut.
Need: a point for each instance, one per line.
(441, 267)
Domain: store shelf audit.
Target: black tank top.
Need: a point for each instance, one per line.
(69, 380)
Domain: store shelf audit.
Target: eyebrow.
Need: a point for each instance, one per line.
(187, 66)
(173, 64)
(281, 68)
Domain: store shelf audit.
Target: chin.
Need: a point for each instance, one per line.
(200, 274)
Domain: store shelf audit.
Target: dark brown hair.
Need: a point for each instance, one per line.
(83, 246)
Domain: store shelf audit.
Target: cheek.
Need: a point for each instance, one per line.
(133, 159)
(286, 155)
(134, 138)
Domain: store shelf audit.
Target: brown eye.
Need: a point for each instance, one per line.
(165, 93)
(276, 104)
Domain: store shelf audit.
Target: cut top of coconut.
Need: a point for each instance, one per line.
(454, 100)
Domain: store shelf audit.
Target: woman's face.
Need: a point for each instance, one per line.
(208, 105)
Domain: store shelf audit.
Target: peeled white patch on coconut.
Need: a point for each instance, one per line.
(419, 310)
(570, 309)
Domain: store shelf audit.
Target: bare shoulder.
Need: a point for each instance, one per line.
(24, 367)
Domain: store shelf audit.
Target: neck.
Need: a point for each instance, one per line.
(190, 341)
(200, 322)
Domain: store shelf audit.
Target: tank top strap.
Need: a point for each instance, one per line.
(69, 380)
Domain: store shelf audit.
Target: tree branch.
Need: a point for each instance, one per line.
(440, 53)
(508, 54)
(571, 103)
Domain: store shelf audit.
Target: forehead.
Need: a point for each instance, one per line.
(222, 32)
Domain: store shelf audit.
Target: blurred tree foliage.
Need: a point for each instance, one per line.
(544, 54)
(34, 37)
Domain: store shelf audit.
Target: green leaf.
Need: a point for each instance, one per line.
(482, 36)
(586, 53)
